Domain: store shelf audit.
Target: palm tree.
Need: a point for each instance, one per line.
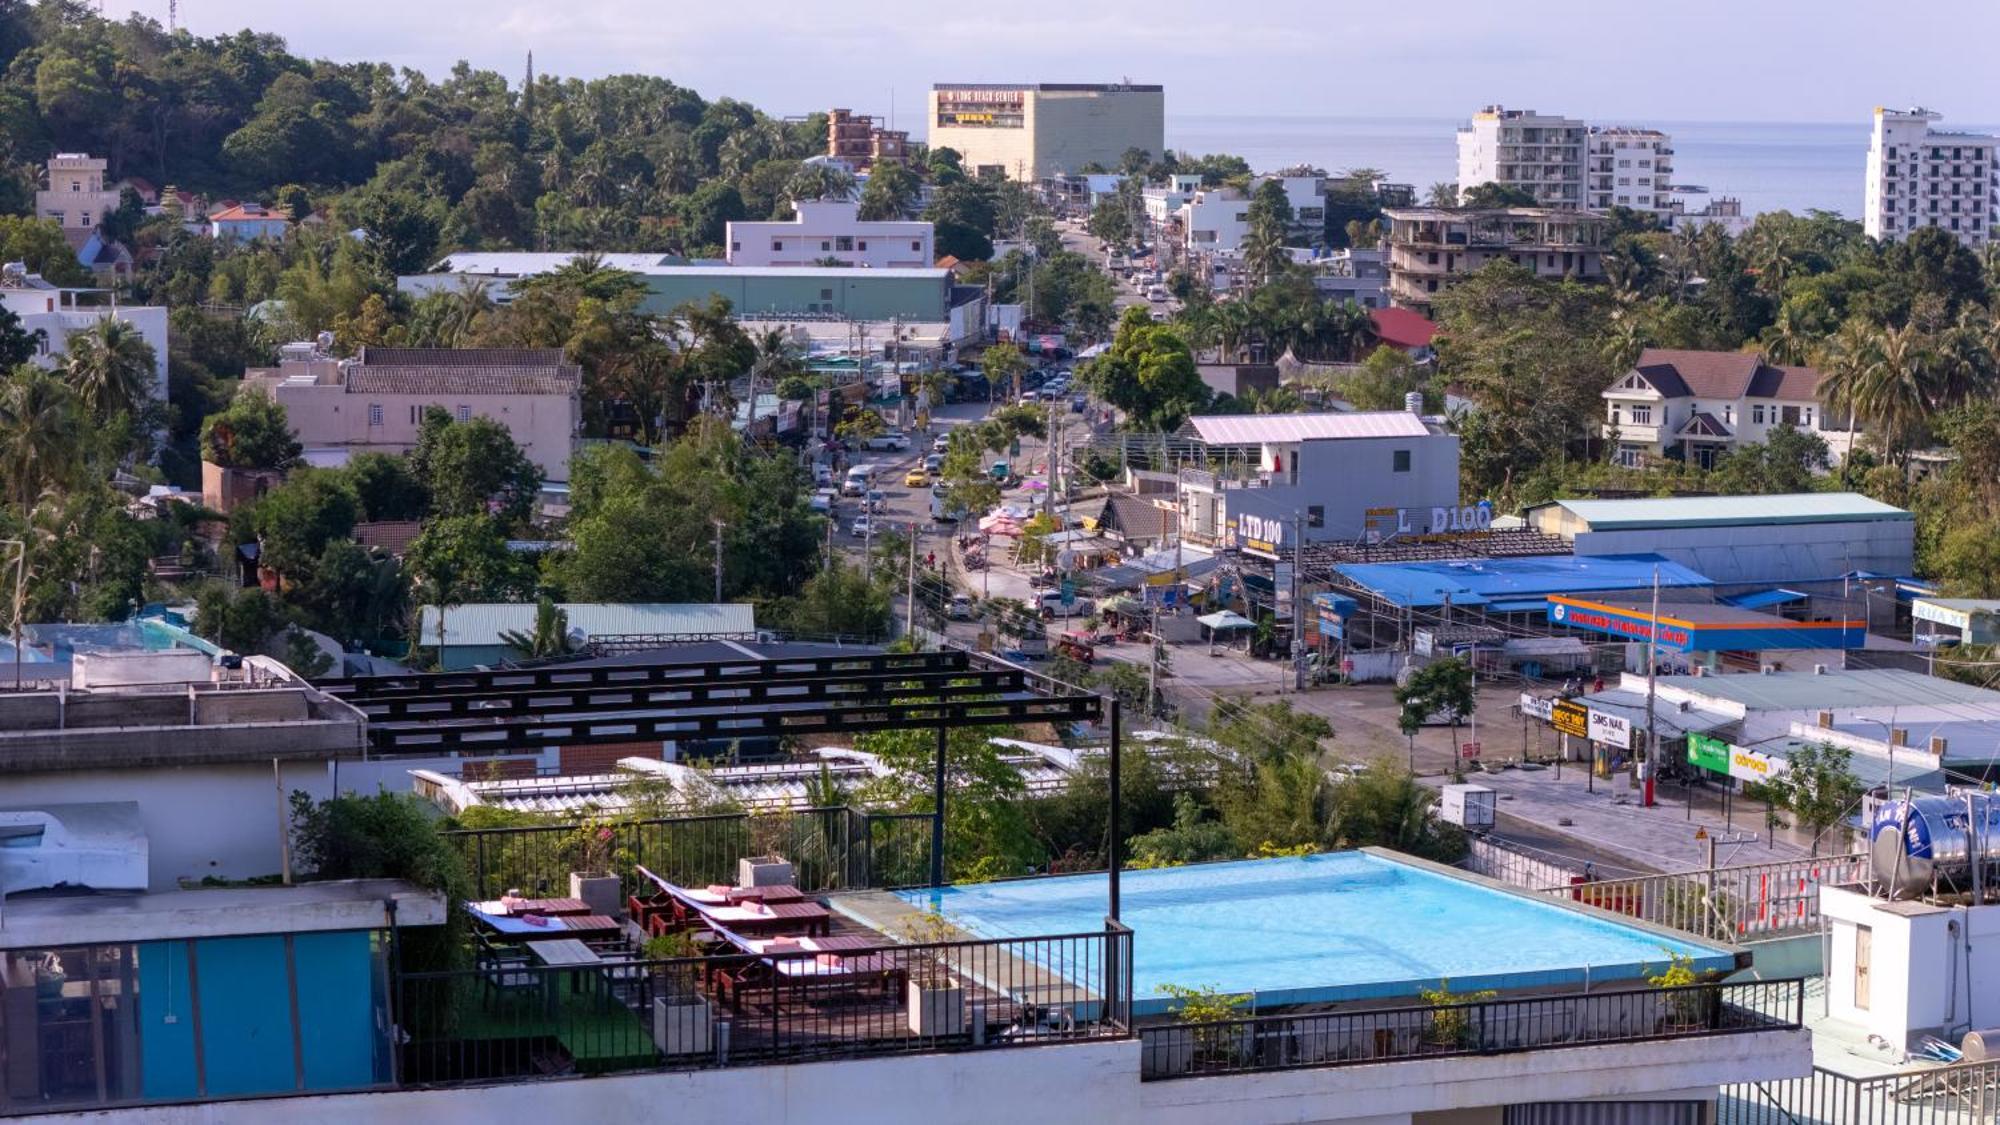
(820, 181)
(1349, 328)
(1845, 363)
(549, 637)
(1264, 255)
(470, 303)
(1966, 359)
(41, 434)
(1233, 322)
(1898, 391)
(110, 366)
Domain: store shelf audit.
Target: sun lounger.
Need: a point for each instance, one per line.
(807, 964)
(685, 910)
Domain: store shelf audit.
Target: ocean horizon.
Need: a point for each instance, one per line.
(1770, 166)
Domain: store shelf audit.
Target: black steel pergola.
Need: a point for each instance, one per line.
(485, 712)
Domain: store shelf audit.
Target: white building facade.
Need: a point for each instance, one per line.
(832, 230)
(1708, 403)
(1540, 153)
(1631, 168)
(1919, 177)
(53, 311)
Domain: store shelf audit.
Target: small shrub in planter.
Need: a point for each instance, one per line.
(1451, 1026)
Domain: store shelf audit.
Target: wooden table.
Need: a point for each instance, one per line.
(566, 957)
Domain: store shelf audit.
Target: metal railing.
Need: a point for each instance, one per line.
(1961, 1094)
(514, 1017)
(1748, 903)
(830, 849)
(1486, 1027)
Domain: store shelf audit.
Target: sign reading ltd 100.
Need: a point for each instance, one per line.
(1414, 522)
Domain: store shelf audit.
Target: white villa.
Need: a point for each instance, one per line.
(1706, 403)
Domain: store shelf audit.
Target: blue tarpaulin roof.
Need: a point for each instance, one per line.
(1762, 598)
(1481, 581)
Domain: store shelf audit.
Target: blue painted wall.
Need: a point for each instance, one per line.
(166, 1022)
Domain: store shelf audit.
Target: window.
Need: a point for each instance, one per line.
(862, 246)
(1728, 415)
(83, 219)
(826, 294)
(1400, 461)
(1757, 413)
(1789, 415)
(735, 247)
(777, 245)
(1642, 415)
(416, 415)
(1809, 411)
(464, 413)
(76, 185)
(844, 243)
(1864, 965)
(374, 413)
(916, 244)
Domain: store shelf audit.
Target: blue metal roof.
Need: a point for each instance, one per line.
(1762, 598)
(1471, 582)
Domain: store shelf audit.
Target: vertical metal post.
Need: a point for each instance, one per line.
(1115, 853)
(937, 811)
(1298, 590)
(1651, 766)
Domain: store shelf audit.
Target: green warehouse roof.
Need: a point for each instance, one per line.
(1728, 511)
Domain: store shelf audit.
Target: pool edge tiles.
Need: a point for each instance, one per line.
(1308, 950)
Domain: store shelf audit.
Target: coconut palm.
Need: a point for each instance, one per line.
(549, 637)
(1898, 391)
(41, 434)
(110, 367)
(1844, 363)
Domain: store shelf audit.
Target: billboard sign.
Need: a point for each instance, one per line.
(1535, 707)
(1612, 730)
(1570, 718)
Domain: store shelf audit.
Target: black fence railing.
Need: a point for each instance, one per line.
(1959, 1094)
(516, 1015)
(830, 849)
(1324, 1039)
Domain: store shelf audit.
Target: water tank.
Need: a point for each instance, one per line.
(1914, 843)
(1414, 402)
(1982, 1045)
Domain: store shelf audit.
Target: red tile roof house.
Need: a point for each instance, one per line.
(1405, 330)
(1706, 403)
(246, 222)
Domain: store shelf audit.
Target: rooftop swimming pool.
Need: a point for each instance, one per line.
(1339, 926)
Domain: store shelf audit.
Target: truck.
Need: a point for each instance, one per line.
(858, 480)
(943, 511)
(1468, 806)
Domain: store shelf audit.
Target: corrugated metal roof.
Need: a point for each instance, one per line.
(1257, 429)
(481, 623)
(1724, 511)
(1472, 582)
(515, 263)
(1843, 689)
(720, 269)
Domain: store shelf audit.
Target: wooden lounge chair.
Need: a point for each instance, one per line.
(689, 909)
(803, 966)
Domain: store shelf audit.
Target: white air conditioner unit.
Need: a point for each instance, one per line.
(98, 846)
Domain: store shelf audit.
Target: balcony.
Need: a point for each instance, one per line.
(1489, 1027)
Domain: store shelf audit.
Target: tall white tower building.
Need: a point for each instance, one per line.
(1919, 176)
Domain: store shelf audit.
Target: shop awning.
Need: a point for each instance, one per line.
(1227, 619)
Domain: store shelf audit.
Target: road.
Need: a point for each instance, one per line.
(1080, 241)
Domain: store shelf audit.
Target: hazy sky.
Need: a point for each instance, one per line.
(1633, 60)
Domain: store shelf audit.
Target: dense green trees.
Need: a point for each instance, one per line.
(1149, 373)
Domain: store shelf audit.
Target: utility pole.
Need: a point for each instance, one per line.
(910, 597)
(1153, 666)
(1647, 766)
(1298, 614)
(719, 525)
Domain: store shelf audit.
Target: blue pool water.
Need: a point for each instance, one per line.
(1340, 926)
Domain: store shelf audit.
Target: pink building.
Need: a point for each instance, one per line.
(375, 402)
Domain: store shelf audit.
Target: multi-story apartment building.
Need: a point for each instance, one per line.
(1630, 168)
(77, 198)
(1030, 132)
(1707, 403)
(856, 139)
(831, 231)
(1923, 177)
(1541, 153)
(1430, 248)
(376, 401)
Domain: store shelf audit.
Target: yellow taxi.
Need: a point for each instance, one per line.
(916, 478)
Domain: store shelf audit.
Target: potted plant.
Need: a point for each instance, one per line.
(937, 999)
(1685, 1006)
(767, 866)
(592, 849)
(1207, 1042)
(1451, 1026)
(683, 1021)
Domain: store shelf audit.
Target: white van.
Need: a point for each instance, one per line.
(858, 480)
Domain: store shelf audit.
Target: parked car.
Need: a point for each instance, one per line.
(863, 526)
(941, 443)
(1078, 404)
(1051, 603)
(823, 474)
(960, 608)
(934, 462)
